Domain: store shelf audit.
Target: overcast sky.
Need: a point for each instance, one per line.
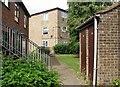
(34, 6)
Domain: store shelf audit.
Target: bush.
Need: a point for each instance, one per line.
(74, 48)
(45, 49)
(116, 83)
(66, 48)
(27, 73)
(61, 48)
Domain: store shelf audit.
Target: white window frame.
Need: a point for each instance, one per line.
(16, 12)
(25, 21)
(6, 2)
(63, 14)
(45, 16)
(45, 43)
(64, 30)
(65, 42)
(45, 29)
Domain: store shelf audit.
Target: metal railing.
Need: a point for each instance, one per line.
(17, 44)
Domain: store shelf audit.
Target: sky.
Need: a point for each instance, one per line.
(35, 6)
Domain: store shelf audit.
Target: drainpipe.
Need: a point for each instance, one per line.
(95, 51)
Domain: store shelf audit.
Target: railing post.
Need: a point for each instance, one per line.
(49, 62)
(6, 42)
(40, 53)
(12, 40)
(9, 40)
(15, 37)
(33, 53)
(20, 43)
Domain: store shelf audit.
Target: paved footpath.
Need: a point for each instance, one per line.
(67, 75)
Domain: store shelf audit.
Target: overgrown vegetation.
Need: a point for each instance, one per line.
(66, 48)
(27, 73)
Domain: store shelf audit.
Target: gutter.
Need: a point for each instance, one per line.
(95, 51)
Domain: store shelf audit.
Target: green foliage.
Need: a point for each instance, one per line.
(74, 48)
(34, 54)
(71, 60)
(45, 49)
(66, 48)
(27, 73)
(61, 48)
(78, 13)
(116, 83)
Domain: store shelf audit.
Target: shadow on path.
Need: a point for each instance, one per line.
(54, 60)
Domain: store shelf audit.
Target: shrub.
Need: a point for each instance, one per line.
(74, 48)
(35, 53)
(45, 49)
(61, 48)
(116, 83)
(66, 48)
(27, 73)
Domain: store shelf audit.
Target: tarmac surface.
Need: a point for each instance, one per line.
(67, 75)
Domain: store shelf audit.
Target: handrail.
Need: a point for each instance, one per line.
(19, 45)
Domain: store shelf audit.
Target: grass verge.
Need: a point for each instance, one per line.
(71, 60)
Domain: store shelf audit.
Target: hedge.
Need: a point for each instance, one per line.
(66, 48)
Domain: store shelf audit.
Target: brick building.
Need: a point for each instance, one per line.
(14, 25)
(15, 15)
(100, 46)
(49, 27)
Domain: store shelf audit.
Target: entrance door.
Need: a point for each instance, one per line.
(90, 52)
(83, 51)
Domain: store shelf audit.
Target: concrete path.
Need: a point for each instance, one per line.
(67, 75)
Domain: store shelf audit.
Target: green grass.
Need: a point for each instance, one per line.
(71, 60)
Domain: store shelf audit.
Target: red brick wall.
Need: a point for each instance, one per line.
(8, 18)
(108, 47)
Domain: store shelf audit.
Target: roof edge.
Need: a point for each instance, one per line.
(24, 8)
(80, 27)
(109, 8)
(49, 10)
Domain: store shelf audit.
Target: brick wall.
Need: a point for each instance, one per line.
(109, 47)
(8, 18)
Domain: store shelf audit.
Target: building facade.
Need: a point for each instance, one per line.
(49, 27)
(14, 26)
(100, 46)
(15, 15)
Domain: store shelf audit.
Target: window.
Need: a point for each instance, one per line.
(64, 29)
(45, 43)
(16, 12)
(45, 30)
(45, 16)
(25, 21)
(63, 15)
(6, 2)
(64, 42)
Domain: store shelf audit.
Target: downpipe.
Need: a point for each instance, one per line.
(95, 51)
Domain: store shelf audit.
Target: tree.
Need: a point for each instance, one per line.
(78, 12)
